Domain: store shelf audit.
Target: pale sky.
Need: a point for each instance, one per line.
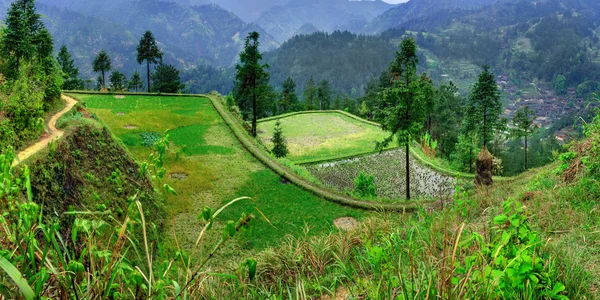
(395, 1)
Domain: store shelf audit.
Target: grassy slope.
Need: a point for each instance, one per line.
(323, 136)
(218, 169)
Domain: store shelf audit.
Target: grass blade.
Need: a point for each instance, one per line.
(17, 277)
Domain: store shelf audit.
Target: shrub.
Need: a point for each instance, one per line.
(365, 185)
(280, 145)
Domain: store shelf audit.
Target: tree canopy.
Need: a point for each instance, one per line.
(148, 51)
(102, 63)
(166, 79)
(251, 81)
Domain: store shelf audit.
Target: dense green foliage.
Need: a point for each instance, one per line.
(165, 79)
(401, 109)
(135, 83)
(524, 128)
(365, 185)
(484, 107)
(344, 59)
(30, 77)
(148, 51)
(118, 81)
(102, 63)
(280, 149)
(251, 82)
(70, 72)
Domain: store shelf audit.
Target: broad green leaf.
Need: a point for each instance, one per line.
(17, 277)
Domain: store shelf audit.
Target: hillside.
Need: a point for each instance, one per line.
(212, 34)
(208, 166)
(414, 9)
(285, 20)
(347, 60)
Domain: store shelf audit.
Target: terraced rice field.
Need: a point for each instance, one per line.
(325, 141)
(389, 170)
(323, 136)
(207, 165)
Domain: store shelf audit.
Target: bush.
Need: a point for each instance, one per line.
(365, 185)
(280, 145)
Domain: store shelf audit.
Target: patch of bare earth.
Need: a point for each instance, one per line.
(119, 97)
(130, 127)
(178, 175)
(346, 223)
(341, 294)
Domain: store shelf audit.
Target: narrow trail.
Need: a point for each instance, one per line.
(54, 133)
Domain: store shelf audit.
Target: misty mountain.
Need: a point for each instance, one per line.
(247, 10)
(415, 9)
(283, 21)
(193, 34)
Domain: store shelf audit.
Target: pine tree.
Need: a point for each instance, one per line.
(166, 79)
(148, 51)
(118, 81)
(428, 92)
(448, 117)
(279, 144)
(289, 99)
(401, 108)
(324, 95)
(102, 63)
(309, 96)
(21, 36)
(523, 126)
(484, 108)
(136, 83)
(251, 81)
(70, 72)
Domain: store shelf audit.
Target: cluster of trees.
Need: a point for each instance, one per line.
(256, 98)
(164, 79)
(30, 77)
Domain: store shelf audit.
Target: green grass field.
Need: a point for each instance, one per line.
(323, 136)
(218, 169)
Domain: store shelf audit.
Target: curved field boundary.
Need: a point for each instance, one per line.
(347, 114)
(424, 161)
(54, 133)
(128, 93)
(252, 147)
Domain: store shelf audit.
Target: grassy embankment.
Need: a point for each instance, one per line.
(208, 166)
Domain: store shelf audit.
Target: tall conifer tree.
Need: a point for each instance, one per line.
(148, 51)
(251, 81)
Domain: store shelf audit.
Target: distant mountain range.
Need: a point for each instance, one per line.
(414, 9)
(284, 20)
(189, 35)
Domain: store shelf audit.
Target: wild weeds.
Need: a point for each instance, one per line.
(98, 257)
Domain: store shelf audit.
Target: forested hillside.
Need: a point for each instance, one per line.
(415, 9)
(345, 59)
(212, 35)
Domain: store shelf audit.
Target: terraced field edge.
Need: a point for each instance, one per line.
(424, 161)
(254, 149)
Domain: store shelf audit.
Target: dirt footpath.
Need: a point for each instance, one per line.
(54, 133)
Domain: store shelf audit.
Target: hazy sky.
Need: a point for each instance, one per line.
(395, 1)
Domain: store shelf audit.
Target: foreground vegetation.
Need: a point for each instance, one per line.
(505, 242)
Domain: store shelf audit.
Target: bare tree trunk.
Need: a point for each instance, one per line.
(407, 171)
(148, 73)
(471, 160)
(525, 152)
(254, 110)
